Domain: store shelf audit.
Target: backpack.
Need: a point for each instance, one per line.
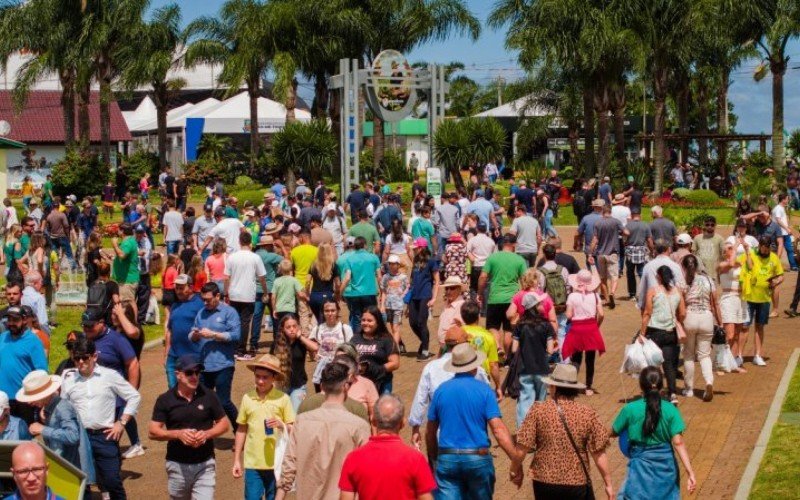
(579, 203)
(555, 287)
(97, 296)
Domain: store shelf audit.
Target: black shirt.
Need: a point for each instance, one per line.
(525, 196)
(318, 284)
(564, 260)
(169, 182)
(636, 199)
(375, 352)
(200, 414)
(182, 186)
(533, 346)
(298, 352)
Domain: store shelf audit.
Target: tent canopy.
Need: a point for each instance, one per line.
(515, 109)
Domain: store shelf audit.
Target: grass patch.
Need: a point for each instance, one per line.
(779, 473)
(724, 216)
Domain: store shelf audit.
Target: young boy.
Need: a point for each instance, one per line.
(262, 415)
(394, 286)
(483, 340)
(286, 291)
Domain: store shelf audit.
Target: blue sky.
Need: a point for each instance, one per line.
(487, 59)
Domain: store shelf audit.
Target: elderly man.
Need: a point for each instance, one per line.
(202, 228)
(29, 467)
(11, 427)
(404, 472)
(21, 352)
(32, 296)
(662, 228)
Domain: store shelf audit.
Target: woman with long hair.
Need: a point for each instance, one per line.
(215, 263)
(291, 349)
(664, 309)
(733, 308)
(11, 251)
(93, 256)
(324, 280)
(197, 272)
(328, 334)
(702, 313)
(399, 243)
(424, 289)
(585, 312)
(377, 350)
(652, 429)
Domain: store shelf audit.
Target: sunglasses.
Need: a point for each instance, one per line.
(82, 358)
(191, 373)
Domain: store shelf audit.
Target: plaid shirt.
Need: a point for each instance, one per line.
(637, 254)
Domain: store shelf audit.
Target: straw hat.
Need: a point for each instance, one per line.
(584, 279)
(453, 281)
(271, 228)
(265, 240)
(464, 359)
(301, 182)
(268, 362)
(599, 203)
(564, 375)
(37, 385)
(618, 199)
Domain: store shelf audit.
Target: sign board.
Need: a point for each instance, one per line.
(392, 75)
(434, 183)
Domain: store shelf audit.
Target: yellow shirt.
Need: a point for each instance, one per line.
(27, 189)
(259, 449)
(764, 269)
(482, 340)
(303, 256)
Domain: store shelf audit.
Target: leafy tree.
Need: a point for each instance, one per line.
(79, 173)
(309, 147)
(451, 149)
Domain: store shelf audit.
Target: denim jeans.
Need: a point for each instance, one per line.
(787, 245)
(191, 481)
(633, 271)
(356, 305)
(220, 381)
(107, 463)
(532, 389)
(205, 254)
(259, 484)
(296, 396)
(548, 228)
(467, 477)
(172, 379)
(258, 319)
(173, 246)
(386, 387)
(418, 321)
(63, 243)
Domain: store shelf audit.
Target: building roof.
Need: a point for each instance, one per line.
(41, 121)
(514, 109)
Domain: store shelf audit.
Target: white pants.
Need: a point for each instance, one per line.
(699, 331)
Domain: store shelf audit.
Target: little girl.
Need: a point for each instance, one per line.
(197, 273)
(215, 264)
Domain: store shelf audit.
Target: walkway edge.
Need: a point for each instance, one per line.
(750, 472)
(154, 343)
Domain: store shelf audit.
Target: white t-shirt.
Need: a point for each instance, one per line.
(228, 230)
(751, 242)
(242, 268)
(398, 247)
(173, 223)
(621, 213)
(482, 247)
(329, 337)
(779, 214)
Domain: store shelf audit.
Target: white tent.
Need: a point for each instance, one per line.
(514, 109)
(144, 113)
(233, 116)
(176, 118)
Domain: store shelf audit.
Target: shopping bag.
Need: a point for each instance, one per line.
(634, 360)
(281, 444)
(724, 359)
(652, 353)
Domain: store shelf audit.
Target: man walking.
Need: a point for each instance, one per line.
(479, 248)
(782, 219)
(528, 233)
(179, 326)
(188, 417)
(202, 228)
(638, 246)
(303, 257)
(585, 232)
(709, 247)
(227, 229)
(242, 269)
(21, 352)
(367, 231)
(604, 253)
(125, 269)
(447, 220)
(662, 228)
(173, 228)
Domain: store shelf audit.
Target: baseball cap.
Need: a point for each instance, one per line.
(531, 300)
(188, 362)
(420, 243)
(393, 259)
(683, 239)
(208, 208)
(350, 241)
(91, 316)
(16, 311)
(27, 311)
(482, 227)
(183, 279)
(219, 212)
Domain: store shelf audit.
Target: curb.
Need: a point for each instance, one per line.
(750, 472)
(153, 343)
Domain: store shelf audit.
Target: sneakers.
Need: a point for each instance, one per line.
(244, 357)
(133, 452)
(424, 356)
(739, 361)
(674, 399)
(791, 313)
(759, 361)
(709, 394)
(688, 393)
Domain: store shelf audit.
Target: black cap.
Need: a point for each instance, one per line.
(91, 316)
(219, 212)
(188, 362)
(482, 227)
(27, 311)
(16, 311)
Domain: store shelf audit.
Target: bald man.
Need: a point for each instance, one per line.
(29, 466)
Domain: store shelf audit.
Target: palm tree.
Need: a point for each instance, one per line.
(305, 146)
(156, 53)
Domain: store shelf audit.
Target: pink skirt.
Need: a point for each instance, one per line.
(583, 335)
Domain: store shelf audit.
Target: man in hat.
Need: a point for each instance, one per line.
(11, 428)
(36, 212)
(264, 413)
(321, 440)
(21, 352)
(60, 428)
(583, 238)
(225, 228)
(456, 437)
(434, 375)
(319, 235)
(189, 417)
(29, 469)
(301, 190)
(683, 245)
(94, 390)
(179, 326)
(604, 252)
(451, 311)
(529, 235)
(202, 228)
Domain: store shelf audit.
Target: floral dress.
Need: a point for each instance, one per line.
(456, 256)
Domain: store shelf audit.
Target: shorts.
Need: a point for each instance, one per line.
(168, 297)
(127, 292)
(394, 316)
(496, 317)
(734, 309)
(608, 266)
(759, 312)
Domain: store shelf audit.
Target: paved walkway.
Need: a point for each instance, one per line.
(720, 434)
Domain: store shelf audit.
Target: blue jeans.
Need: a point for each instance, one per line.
(356, 305)
(258, 318)
(548, 228)
(63, 243)
(258, 484)
(532, 389)
(316, 301)
(172, 379)
(205, 254)
(386, 388)
(172, 246)
(467, 477)
(787, 245)
(107, 463)
(220, 381)
(296, 396)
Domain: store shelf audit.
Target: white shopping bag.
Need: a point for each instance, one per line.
(724, 359)
(652, 353)
(281, 445)
(634, 360)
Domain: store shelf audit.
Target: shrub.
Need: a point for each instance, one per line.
(139, 163)
(201, 172)
(245, 182)
(681, 193)
(703, 197)
(81, 174)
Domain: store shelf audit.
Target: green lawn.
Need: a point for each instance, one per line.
(779, 474)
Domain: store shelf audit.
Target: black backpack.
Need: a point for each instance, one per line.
(579, 204)
(97, 297)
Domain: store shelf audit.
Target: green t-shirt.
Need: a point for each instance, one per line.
(125, 270)
(24, 244)
(48, 191)
(231, 213)
(631, 418)
(366, 231)
(285, 291)
(504, 270)
(271, 261)
(423, 228)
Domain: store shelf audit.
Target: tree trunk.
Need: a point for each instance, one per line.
(291, 104)
(252, 93)
(702, 120)
(455, 174)
(660, 98)
(601, 107)
(588, 132)
(684, 96)
(378, 142)
(160, 97)
(778, 69)
(105, 120)
(722, 121)
(618, 106)
(84, 125)
(291, 180)
(68, 107)
(573, 133)
(320, 105)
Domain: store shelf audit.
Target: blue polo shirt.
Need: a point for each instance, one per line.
(113, 351)
(586, 228)
(463, 407)
(218, 355)
(50, 496)
(18, 357)
(363, 267)
(181, 321)
(16, 430)
(482, 208)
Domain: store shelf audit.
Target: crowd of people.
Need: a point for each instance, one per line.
(515, 317)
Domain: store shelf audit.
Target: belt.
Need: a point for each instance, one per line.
(463, 451)
(96, 431)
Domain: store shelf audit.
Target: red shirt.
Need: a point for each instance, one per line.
(403, 473)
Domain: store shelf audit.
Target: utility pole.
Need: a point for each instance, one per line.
(500, 82)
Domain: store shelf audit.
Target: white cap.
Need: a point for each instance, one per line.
(330, 206)
(393, 259)
(683, 239)
(4, 401)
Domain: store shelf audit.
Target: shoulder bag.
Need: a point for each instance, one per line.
(589, 490)
(681, 333)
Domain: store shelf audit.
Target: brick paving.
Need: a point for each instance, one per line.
(720, 435)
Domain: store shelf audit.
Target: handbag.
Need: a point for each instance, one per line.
(678, 326)
(589, 490)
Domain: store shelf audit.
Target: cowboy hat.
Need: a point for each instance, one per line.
(271, 228)
(453, 281)
(620, 198)
(464, 359)
(267, 362)
(265, 240)
(564, 375)
(37, 385)
(598, 203)
(584, 278)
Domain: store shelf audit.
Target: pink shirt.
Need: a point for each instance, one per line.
(216, 267)
(447, 318)
(584, 305)
(547, 302)
(364, 392)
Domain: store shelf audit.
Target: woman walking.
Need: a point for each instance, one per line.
(664, 309)
(328, 334)
(377, 351)
(585, 310)
(424, 289)
(399, 243)
(455, 259)
(291, 348)
(702, 313)
(733, 308)
(653, 429)
(563, 433)
(324, 280)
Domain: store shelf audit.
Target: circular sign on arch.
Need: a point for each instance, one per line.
(392, 77)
